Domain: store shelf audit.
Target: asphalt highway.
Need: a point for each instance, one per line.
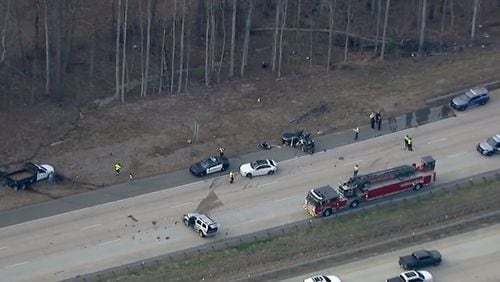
(472, 256)
(131, 229)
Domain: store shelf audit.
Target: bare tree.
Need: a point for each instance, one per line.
(443, 18)
(59, 70)
(223, 49)
(331, 6)
(163, 59)
(124, 58)
(148, 47)
(47, 50)
(246, 40)
(141, 26)
(283, 22)
(422, 27)
(213, 36)
(4, 30)
(207, 47)
(297, 19)
(172, 61)
(233, 37)
(473, 23)
(452, 14)
(384, 32)
(347, 31)
(275, 34)
(187, 57)
(377, 26)
(181, 63)
(117, 49)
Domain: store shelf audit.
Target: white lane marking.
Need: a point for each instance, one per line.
(456, 155)
(4, 247)
(284, 199)
(437, 140)
(91, 226)
(270, 183)
(109, 242)
(354, 162)
(180, 205)
(17, 264)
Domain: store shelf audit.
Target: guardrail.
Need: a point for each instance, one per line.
(280, 230)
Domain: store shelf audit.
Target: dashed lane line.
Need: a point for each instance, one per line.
(109, 242)
(180, 205)
(91, 226)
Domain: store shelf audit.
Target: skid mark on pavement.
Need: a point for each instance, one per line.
(209, 203)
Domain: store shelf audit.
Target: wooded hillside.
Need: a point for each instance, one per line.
(75, 51)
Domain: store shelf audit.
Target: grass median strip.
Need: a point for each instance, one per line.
(336, 235)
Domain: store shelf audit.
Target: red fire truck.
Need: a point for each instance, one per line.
(325, 200)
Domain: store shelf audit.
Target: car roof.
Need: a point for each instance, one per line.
(205, 218)
(421, 253)
(496, 138)
(479, 91)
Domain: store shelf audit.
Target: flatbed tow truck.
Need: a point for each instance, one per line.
(326, 200)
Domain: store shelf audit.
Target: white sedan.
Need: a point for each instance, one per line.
(260, 167)
(323, 278)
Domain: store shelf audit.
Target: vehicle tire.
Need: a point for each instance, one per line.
(482, 103)
(327, 213)
(15, 187)
(186, 222)
(249, 175)
(404, 266)
(201, 234)
(417, 187)
(271, 172)
(354, 204)
(223, 168)
(23, 186)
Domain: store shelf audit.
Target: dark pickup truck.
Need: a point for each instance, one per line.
(27, 175)
(420, 259)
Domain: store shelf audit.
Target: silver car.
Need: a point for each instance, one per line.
(256, 168)
(490, 146)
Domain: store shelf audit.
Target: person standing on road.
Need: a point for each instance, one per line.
(372, 120)
(406, 141)
(410, 144)
(221, 151)
(356, 170)
(231, 176)
(356, 133)
(378, 119)
(118, 167)
(130, 178)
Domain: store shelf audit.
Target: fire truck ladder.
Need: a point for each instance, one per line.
(383, 175)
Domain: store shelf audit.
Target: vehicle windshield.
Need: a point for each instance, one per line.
(205, 164)
(312, 200)
(466, 96)
(255, 164)
(492, 142)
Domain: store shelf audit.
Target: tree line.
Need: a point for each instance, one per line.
(82, 49)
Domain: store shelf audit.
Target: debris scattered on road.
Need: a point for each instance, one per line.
(133, 218)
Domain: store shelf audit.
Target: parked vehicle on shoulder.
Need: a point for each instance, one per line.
(210, 165)
(489, 147)
(27, 175)
(471, 98)
(259, 167)
(323, 278)
(201, 223)
(419, 259)
(412, 276)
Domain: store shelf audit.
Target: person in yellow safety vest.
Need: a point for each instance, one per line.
(356, 170)
(410, 144)
(231, 175)
(118, 166)
(356, 133)
(407, 138)
(221, 151)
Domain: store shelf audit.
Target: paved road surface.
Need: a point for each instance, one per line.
(468, 257)
(103, 236)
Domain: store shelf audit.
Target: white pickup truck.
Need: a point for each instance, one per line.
(27, 175)
(412, 276)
